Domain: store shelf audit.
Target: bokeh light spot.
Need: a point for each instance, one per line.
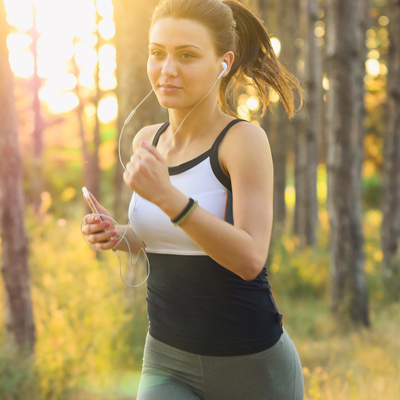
(108, 109)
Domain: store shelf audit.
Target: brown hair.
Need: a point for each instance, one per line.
(235, 28)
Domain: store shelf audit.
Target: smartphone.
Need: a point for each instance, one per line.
(93, 208)
(90, 201)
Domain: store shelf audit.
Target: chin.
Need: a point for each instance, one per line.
(170, 102)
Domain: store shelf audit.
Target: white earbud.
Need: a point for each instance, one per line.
(224, 68)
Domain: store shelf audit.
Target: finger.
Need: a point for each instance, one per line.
(137, 157)
(95, 223)
(143, 153)
(127, 179)
(91, 219)
(95, 219)
(106, 246)
(102, 238)
(93, 228)
(130, 167)
(152, 150)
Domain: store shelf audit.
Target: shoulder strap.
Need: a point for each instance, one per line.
(216, 167)
(159, 133)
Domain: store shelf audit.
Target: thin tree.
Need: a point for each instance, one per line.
(15, 268)
(309, 132)
(267, 11)
(38, 122)
(283, 128)
(132, 18)
(390, 230)
(94, 175)
(79, 115)
(288, 31)
(270, 11)
(344, 158)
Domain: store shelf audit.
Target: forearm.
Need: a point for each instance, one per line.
(230, 246)
(135, 243)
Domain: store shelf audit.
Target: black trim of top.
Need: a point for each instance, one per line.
(212, 153)
(229, 208)
(215, 165)
(159, 133)
(178, 169)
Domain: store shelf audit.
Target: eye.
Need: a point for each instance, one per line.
(156, 53)
(187, 55)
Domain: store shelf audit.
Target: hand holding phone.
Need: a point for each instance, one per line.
(101, 230)
(90, 202)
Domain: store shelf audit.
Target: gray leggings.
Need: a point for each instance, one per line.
(172, 374)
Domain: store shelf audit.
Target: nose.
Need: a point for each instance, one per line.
(169, 68)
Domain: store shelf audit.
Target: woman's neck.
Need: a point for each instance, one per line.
(198, 123)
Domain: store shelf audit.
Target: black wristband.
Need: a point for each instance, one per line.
(185, 210)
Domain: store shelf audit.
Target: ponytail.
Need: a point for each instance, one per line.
(234, 27)
(256, 64)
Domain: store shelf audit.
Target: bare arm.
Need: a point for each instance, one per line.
(245, 154)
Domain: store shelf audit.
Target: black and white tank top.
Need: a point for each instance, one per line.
(194, 303)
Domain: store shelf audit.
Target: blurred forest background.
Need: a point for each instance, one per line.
(71, 72)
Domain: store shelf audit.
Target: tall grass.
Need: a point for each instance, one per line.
(91, 328)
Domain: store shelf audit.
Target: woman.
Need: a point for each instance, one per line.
(204, 211)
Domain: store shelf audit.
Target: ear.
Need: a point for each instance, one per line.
(228, 58)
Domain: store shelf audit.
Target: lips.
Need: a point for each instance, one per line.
(168, 88)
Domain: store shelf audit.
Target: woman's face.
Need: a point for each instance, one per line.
(183, 63)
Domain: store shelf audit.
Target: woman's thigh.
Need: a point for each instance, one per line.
(158, 387)
(273, 374)
(169, 373)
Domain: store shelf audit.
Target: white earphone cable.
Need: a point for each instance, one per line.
(133, 112)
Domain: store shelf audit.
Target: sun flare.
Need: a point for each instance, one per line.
(67, 35)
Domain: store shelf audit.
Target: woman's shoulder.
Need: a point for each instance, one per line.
(245, 137)
(146, 134)
(245, 130)
(244, 144)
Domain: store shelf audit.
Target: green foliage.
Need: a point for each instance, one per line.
(91, 328)
(18, 380)
(80, 309)
(372, 189)
(61, 172)
(299, 272)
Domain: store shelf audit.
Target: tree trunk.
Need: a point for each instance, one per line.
(273, 123)
(80, 109)
(39, 126)
(345, 151)
(15, 269)
(132, 19)
(288, 31)
(267, 12)
(94, 175)
(278, 128)
(310, 128)
(390, 230)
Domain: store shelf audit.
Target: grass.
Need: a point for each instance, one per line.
(91, 329)
(357, 365)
